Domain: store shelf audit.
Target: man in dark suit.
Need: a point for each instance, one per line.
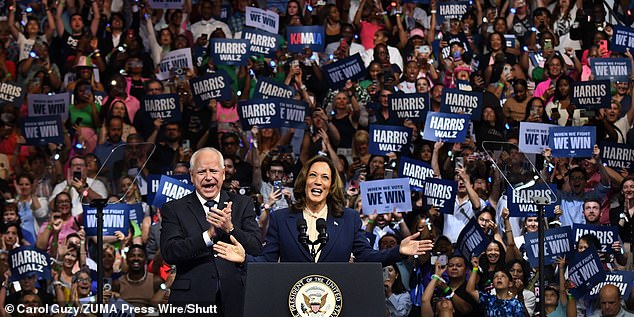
(193, 224)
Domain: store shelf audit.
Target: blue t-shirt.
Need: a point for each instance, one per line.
(495, 307)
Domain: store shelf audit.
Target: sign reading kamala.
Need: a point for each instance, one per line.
(408, 106)
(167, 4)
(606, 235)
(350, 68)
(451, 10)
(262, 42)
(617, 155)
(154, 180)
(416, 171)
(624, 280)
(263, 113)
(520, 202)
(557, 242)
(165, 106)
(572, 141)
(170, 189)
(584, 271)
(460, 101)
(533, 137)
(43, 130)
(49, 105)
(387, 138)
(591, 94)
(440, 193)
(386, 196)
(266, 88)
(262, 19)
(212, 86)
(299, 37)
(173, 61)
(115, 218)
(229, 51)
(446, 127)
(623, 38)
(472, 240)
(26, 261)
(614, 69)
(293, 112)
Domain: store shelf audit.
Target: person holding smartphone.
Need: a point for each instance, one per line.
(79, 186)
(449, 282)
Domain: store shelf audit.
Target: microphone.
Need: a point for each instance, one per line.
(322, 236)
(302, 228)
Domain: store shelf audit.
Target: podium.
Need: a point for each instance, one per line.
(314, 289)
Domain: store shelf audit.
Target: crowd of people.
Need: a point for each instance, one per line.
(106, 53)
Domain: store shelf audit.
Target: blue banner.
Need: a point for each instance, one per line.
(614, 69)
(520, 202)
(170, 189)
(584, 271)
(27, 261)
(43, 130)
(591, 94)
(557, 243)
(229, 51)
(216, 86)
(115, 218)
(136, 213)
(623, 38)
(606, 235)
(451, 10)
(624, 280)
(446, 127)
(617, 155)
(262, 42)
(440, 193)
(386, 196)
(472, 240)
(12, 93)
(268, 88)
(154, 180)
(408, 106)
(293, 112)
(350, 68)
(461, 101)
(263, 113)
(572, 141)
(300, 37)
(387, 138)
(165, 106)
(416, 171)
(510, 40)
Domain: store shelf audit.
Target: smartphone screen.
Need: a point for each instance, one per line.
(77, 175)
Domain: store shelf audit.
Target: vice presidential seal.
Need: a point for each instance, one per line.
(315, 296)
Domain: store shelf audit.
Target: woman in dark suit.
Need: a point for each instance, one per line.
(319, 194)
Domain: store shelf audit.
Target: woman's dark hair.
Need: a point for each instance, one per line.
(109, 115)
(5, 228)
(592, 240)
(324, 12)
(398, 287)
(484, 262)
(561, 79)
(335, 199)
(529, 107)
(25, 175)
(503, 42)
(80, 83)
(526, 269)
(57, 198)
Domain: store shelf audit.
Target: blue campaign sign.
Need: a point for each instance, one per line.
(115, 218)
(350, 68)
(510, 40)
(623, 38)
(293, 112)
(170, 189)
(264, 113)
(533, 137)
(387, 138)
(614, 69)
(386, 196)
(415, 171)
(12, 93)
(623, 280)
(165, 106)
(557, 243)
(268, 88)
(27, 261)
(43, 130)
(446, 127)
(300, 37)
(408, 106)
(584, 271)
(472, 240)
(520, 202)
(606, 235)
(136, 213)
(215, 86)
(262, 42)
(461, 101)
(229, 51)
(572, 141)
(451, 10)
(154, 180)
(591, 94)
(440, 193)
(618, 155)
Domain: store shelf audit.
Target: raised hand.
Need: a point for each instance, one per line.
(411, 246)
(233, 252)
